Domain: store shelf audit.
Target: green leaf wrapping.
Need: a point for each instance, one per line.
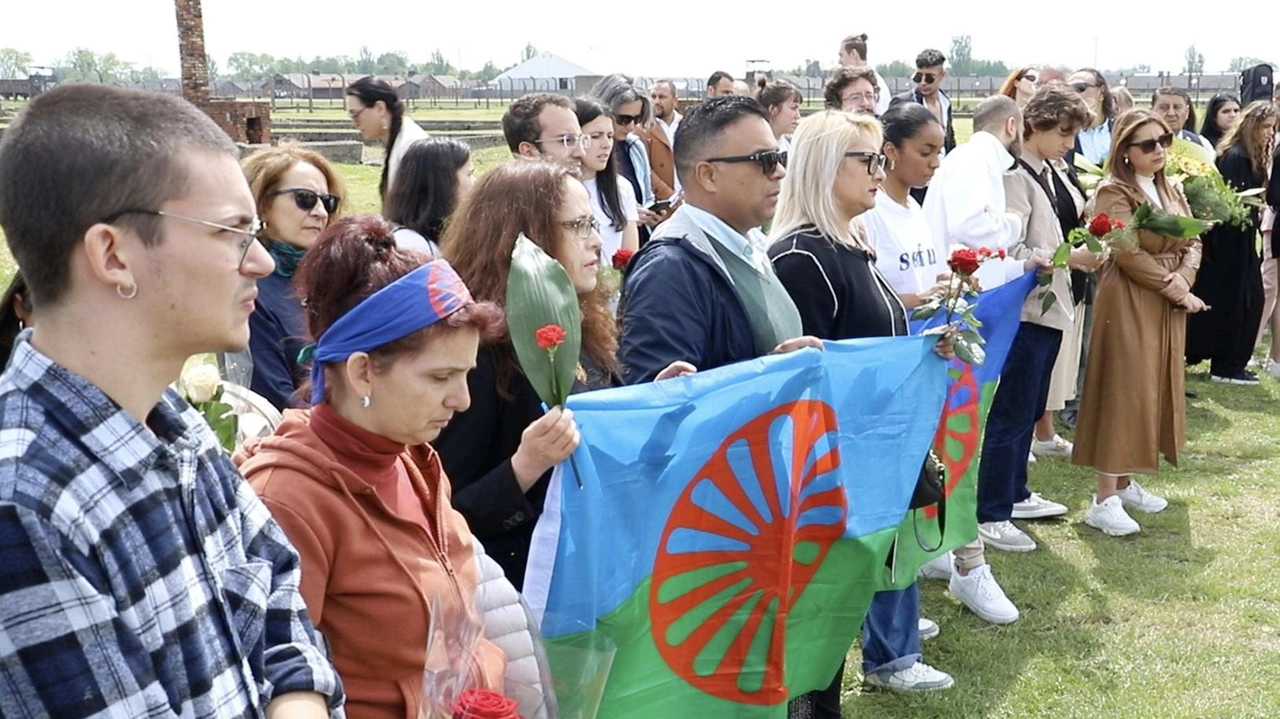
(540, 293)
(1175, 226)
(1061, 255)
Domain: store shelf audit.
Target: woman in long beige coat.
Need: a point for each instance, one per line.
(1132, 409)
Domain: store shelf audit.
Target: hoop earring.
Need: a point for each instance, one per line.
(133, 292)
(365, 402)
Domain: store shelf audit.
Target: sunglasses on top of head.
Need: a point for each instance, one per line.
(768, 159)
(306, 199)
(1149, 146)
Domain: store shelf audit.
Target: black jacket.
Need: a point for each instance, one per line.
(913, 95)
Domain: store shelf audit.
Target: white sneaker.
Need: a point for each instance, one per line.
(1037, 507)
(1004, 535)
(1135, 497)
(1031, 458)
(1273, 368)
(981, 593)
(918, 677)
(1110, 517)
(928, 629)
(939, 567)
(1055, 447)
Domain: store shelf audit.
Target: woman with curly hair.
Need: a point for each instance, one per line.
(500, 452)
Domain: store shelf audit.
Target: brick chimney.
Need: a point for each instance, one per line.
(195, 68)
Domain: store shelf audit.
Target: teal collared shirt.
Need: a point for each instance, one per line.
(751, 246)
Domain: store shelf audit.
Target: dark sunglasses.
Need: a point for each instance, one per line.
(1081, 86)
(307, 199)
(1149, 146)
(768, 159)
(875, 161)
(626, 119)
(1029, 76)
(924, 77)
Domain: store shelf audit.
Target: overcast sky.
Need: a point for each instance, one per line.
(699, 37)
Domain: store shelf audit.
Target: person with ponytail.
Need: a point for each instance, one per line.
(297, 193)
(782, 100)
(354, 482)
(379, 114)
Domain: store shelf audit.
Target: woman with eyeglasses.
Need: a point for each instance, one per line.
(1230, 277)
(825, 261)
(1020, 85)
(499, 453)
(1094, 142)
(613, 200)
(631, 110)
(379, 114)
(1132, 409)
(433, 178)
(782, 101)
(1220, 116)
(298, 193)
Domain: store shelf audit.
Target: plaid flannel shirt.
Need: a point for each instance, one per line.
(140, 575)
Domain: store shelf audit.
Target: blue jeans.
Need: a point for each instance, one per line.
(1020, 399)
(891, 631)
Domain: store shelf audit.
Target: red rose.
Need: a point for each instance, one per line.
(1117, 225)
(621, 258)
(1100, 226)
(1001, 254)
(963, 261)
(984, 252)
(550, 336)
(484, 704)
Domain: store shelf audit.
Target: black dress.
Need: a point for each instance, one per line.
(1230, 282)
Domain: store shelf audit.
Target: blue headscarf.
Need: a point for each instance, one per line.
(416, 301)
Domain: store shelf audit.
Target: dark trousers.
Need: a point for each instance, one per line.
(1020, 399)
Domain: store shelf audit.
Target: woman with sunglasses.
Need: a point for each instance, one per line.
(1094, 142)
(379, 114)
(631, 110)
(1020, 85)
(298, 193)
(434, 177)
(500, 452)
(1132, 408)
(1220, 116)
(823, 258)
(613, 201)
(782, 101)
(1230, 277)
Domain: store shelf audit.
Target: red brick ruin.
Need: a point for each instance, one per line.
(248, 122)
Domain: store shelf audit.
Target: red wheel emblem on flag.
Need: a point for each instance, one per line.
(958, 434)
(743, 541)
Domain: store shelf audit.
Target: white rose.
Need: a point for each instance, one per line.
(200, 383)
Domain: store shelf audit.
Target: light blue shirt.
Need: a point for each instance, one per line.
(750, 247)
(1095, 143)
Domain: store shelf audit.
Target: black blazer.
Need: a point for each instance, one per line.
(913, 95)
(1273, 199)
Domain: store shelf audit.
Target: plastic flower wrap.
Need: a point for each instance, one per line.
(961, 324)
(452, 680)
(1208, 194)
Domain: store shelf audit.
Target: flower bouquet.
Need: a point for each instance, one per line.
(1104, 233)
(961, 323)
(201, 385)
(1208, 194)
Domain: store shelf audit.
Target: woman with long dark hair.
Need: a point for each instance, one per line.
(613, 200)
(1230, 278)
(631, 110)
(15, 315)
(433, 178)
(379, 114)
(499, 453)
(1220, 116)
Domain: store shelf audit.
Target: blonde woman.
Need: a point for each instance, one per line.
(822, 257)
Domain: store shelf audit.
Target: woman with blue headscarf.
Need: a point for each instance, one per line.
(354, 481)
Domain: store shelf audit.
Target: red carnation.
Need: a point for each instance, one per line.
(1001, 254)
(550, 336)
(484, 704)
(963, 261)
(621, 258)
(1100, 226)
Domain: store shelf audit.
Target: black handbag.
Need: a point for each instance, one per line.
(929, 490)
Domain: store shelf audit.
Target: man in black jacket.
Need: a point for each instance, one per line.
(930, 72)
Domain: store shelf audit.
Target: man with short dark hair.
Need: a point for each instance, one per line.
(703, 289)
(720, 84)
(1173, 104)
(660, 139)
(543, 125)
(853, 55)
(930, 72)
(140, 575)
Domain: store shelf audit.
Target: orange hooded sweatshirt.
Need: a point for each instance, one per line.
(369, 574)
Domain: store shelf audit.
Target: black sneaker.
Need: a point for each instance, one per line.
(1241, 377)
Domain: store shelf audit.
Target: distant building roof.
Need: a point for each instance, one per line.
(544, 66)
